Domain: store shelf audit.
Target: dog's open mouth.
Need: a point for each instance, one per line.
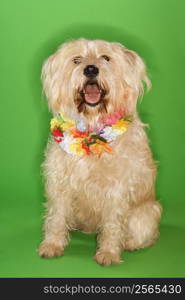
(92, 93)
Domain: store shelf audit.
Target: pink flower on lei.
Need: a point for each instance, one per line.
(112, 119)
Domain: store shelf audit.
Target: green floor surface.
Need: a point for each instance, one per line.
(18, 257)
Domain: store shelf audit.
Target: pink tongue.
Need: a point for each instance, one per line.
(92, 93)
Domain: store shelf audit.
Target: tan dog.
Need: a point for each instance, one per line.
(110, 192)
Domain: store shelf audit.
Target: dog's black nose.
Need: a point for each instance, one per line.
(91, 71)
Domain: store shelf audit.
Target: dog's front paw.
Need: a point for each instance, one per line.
(106, 258)
(50, 249)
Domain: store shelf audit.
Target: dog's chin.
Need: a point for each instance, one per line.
(93, 104)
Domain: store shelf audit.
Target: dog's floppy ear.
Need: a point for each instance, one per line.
(49, 78)
(134, 78)
(137, 71)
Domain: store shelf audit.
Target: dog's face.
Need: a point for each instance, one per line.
(92, 78)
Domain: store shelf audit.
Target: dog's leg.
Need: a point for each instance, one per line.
(109, 240)
(142, 225)
(55, 228)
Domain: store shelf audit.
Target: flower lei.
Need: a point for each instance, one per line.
(74, 138)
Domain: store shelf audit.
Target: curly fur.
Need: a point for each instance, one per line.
(114, 195)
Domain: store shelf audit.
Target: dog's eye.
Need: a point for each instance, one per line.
(77, 60)
(105, 57)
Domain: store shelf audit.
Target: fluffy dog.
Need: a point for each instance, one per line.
(98, 168)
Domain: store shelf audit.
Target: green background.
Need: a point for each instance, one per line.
(30, 32)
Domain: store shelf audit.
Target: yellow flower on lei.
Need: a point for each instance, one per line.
(66, 126)
(77, 147)
(62, 122)
(121, 125)
(54, 124)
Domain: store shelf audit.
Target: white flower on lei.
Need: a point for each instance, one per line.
(66, 142)
(80, 124)
(110, 134)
